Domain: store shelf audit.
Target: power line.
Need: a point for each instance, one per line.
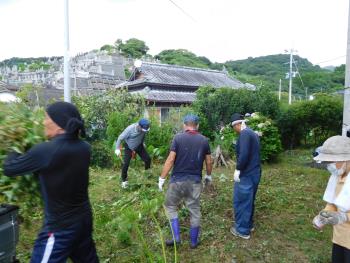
(302, 83)
(182, 10)
(330, 59)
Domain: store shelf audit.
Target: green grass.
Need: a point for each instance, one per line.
(127, 222)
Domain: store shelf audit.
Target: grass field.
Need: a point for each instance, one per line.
(130, 224)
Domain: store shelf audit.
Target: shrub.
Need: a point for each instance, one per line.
(311, 122)
(266, 129)
(20, 128)
(216, 106)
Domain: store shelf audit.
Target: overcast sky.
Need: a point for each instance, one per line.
(218, 29)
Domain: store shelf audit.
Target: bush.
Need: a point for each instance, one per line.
(97, 108)
(311, 122)
(216, 106)
(20, 129)
(266, 129)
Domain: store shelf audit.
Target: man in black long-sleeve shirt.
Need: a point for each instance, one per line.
(63, 167)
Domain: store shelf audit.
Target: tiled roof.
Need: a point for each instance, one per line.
(168, 96)
(181, 76)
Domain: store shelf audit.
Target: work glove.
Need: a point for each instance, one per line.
(236, 176)
(161, 183)
(117, 152)
(207, 180)
(333, 218)
(318, 222)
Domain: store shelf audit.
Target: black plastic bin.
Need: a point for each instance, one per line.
(8, 233)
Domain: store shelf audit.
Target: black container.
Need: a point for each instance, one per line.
(8, 233)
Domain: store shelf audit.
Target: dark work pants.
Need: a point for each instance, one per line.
(244, 201)
(340, 254)
(74, 242)
(141, 151)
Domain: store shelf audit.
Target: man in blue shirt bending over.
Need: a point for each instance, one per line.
(188, 151)
(246, 176)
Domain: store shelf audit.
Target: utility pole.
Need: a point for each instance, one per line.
(279, 90)
(346, 110)
(290, 76)
(67, 91)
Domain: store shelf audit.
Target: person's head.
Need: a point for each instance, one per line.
(236, 122)
(63, 117)
(144, 125)
(335, 151)
(191, 122)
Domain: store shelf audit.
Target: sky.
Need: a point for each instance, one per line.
(221, 30)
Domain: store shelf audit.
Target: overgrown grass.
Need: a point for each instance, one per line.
(127, 221)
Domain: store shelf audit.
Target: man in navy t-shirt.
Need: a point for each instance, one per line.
(188, 151)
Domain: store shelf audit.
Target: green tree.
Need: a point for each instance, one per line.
(133, 47)
(183, 57)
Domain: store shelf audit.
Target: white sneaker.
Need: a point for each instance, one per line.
(125, 184)
(237, 234)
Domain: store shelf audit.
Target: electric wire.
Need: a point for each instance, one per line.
(182, 10)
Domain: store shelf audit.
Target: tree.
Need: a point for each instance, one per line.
(133, 47)
(183, 57)
(109, 48)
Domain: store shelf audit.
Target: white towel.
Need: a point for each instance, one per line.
(342, 201)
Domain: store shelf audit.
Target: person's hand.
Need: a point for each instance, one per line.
(333, 217)
(317, 222)
(117, 152)
(161, 183)
(236, 176)
(207, 180)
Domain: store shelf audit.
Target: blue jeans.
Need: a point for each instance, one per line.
(74, 242)
(244, 201)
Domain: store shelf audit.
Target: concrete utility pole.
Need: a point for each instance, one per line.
(290, 76)
(346, 110)
(279, 90)
(67, 92)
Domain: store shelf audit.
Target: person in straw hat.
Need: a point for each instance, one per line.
(336, 152)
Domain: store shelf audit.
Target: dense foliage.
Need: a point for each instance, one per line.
(266, 129)
(133, 47)
(217, 105)
(311, 122)
(183, 57)
(20, 128)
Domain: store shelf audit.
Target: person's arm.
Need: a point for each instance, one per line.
(32, 161)
(123, 136)
(208, 164)
(169, 163)
(244, 146)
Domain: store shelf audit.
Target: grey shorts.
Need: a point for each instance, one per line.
(189, 192)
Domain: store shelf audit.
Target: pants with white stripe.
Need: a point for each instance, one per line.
(74, 242)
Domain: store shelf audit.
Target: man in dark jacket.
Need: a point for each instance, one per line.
(188, 151)
(63, 167)
(246, 176)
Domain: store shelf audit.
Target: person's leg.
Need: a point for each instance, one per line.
(347, 255)
(192, 201)
(85, 250)
(173, 199)
(338, 255)
(256, 181)
(141, 151)
(53, 247)
(126, 162)
(243, 205)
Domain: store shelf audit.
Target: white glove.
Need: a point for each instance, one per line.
(333, 218)
(317, 222)
(236, 176)
(207, 178)
(161, 183)
(117, 152)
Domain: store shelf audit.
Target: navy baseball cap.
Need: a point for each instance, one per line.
(144, 124)
(191, 118)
